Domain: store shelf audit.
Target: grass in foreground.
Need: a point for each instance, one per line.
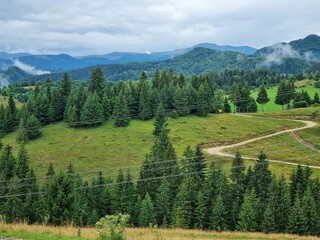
(53, 233)
(106, 147)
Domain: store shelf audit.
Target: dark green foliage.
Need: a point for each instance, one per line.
(163, 202)
(180, 101)
(203, 102)
(22, 168)
(218, 214)
(300, 104)
(7, 163)
(311, 216)
(263, 96)
(268, 225)
(200, 220)
(145, 111)
(238, 168)
(159, 122)
(226, 106)
(262, 176)
(50, 171)
(61, 200)
(316, 99)
(248, 214)
(147, 214)
(121, 112)
(72, 116)
(297, 220)
(29, 129)
(97, 82)
(92, 113)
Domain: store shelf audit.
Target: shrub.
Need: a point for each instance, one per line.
(300, 104)
(112, 227)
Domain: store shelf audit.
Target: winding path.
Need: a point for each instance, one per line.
(220, 150)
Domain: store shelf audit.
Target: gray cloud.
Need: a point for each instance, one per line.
(28, 69)
(81, 27)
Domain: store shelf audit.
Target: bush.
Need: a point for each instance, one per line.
(112, 227)
(317, 84)
(174, 114)
(300, 104)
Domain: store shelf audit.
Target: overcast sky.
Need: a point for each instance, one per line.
(81, 27)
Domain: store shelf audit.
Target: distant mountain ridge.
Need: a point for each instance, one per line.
(294, 57)
(65, 62)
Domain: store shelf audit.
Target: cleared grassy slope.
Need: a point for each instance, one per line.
(305, 85)
(107, 147)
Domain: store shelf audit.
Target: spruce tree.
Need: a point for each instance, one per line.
(33, 128)
(159, 122)
(7, 163)
(263, 96)
(316, 99)
(121, 112)
(31, 205)
(145, 111)
(185, 201)
(281, 97)
(203, 103)
(248, 214)
(65, 87)
(72, 116)
(42, 106)
(268, 224)
(297, 220)
(147, 214)
(311, 216)
(238, 168)
(163, 202)
(200, 210)
(92, 113)
(22, 168)
(262, 176)
(180, 101)
(50, 171)
(97, 82)
(107, 106)
(218, 214)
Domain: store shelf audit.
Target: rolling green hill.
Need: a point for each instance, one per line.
(103, 147)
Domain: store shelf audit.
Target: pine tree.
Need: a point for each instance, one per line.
(42, 105)
(281, 97)
(297, 220)
(12, 208)
(73, 117)
(203, 102)
(145, 111)
(33, 128)
(248, 214)
(147, 214)
(50, 171)
(263, 96)
(22, 167)
(262, 176)
(92, 113)
(31, 204)
(185, 201)
(7, 163)
(107, 106)
(200, 210)
(180, 101)
(156, 80)
(48, 85)
(218, 214)
(58, 104)
(97, 82)
(159, 122)
(238, 168)
(163, 201)
(121, 112)
(316, 99)
(268, 225)
(311, 216)
(65, 87)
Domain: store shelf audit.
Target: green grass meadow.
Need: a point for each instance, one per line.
(107, 148)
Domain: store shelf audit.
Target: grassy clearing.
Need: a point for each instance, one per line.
(305, 85)
(53, 233)
(281, 147)
(107, 147)
(4, 101)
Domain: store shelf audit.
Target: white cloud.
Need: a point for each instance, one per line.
(28, 69)
(81, 27)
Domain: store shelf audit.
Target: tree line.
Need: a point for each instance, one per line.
(191, 192)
